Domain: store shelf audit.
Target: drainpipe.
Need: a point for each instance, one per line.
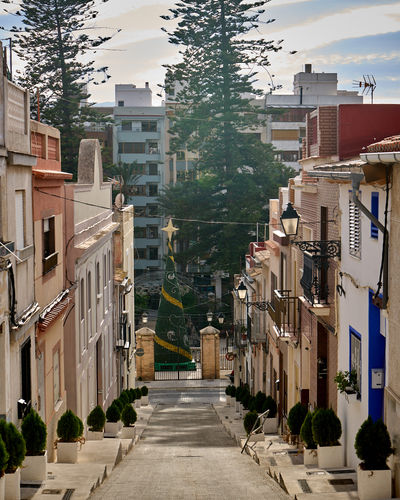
(355, 181)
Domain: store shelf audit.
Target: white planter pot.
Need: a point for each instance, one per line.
(145, 400)
(237, 405)
(241, 408)
(330, 456)
(112, 428)
(128, 432)
(2, 487)
(270, 425)
(310, 457)
(12, 485)
(228, 400)
(34, 469)
(94, 435)
(374, 484)
(138, 403)
(67, 453)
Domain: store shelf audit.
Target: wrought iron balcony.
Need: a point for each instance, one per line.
(284, 311)
(242, 333)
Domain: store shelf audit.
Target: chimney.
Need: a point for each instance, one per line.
(307, 68)
(147, 85)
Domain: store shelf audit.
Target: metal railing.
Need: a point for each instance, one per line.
(285, 313)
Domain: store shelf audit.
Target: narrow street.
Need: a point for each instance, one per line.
(185, 453)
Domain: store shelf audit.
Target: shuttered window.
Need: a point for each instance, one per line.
(19, 220)
(354, 230)
(375, 212)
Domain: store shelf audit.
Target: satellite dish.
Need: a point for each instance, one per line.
(119, 200)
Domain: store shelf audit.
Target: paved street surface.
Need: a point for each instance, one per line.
(184, 453)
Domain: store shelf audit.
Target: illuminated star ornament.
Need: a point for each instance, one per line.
(170, 229)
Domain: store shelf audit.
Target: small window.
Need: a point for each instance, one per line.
(152, 210)
(56, 377)
(153, 189)
(140, 232)
(137, 190)
(354, 230)
(153, 253)
(131, 147)
(19, 219)
(180, 155)
(355, 355)
(153, 148)
(375, 212)
(141, 253)
(153, 232)
(121, 104)
(153, 169)
(48, 237)
(140, 211)
(126, 125)
(149, 126)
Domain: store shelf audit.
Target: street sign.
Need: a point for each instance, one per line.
(139, 352)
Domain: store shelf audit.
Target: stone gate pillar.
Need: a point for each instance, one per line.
(210, 351)
(145, 363)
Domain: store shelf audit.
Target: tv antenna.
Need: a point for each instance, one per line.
(368, 84)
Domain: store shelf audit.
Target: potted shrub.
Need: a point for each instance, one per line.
(138, 398)
(347, 383)
(233, 395)
(373, 447)
(250, 419)
(3, 465)
(128, 417)
(259, 401)
(69, 432)
(271, 422)
(15, 446)
(238, 396)
(96, 420)
(132, 393)
(145, 395)
(295, 420)
(124, 398)
(228, 395)
(310, 446)
(113, 415)
(326, 430)
(35, 433)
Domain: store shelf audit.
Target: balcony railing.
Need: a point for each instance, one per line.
(50, 262)
(285, 313)
(242, 333)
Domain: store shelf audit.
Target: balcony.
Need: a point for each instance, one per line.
(50, 262)
(242, 333)
(284, 311)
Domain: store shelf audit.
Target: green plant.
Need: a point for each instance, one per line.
(306, 432)
(133, 394)
(270, 404)
(119, 403)
(138, 393)
(228, 390)
(35, 433)
(233, 391)
(128, 415)
(260, 400)
(246, 399)
(373, 445)
(81, 428)
(69, 427)
(124, 398)
(113, 413)
(16, 448)
(96, 419)
(238, 393)
(251, 404)
(144, 390)
(296, 417)
(347, 382)
(3, 457)
(249, 420)
(326, 427)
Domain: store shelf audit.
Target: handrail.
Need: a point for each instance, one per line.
(255, 430)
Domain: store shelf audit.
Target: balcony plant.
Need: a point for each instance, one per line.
(295, 420)
(16, 449)
(145, 395)
(128, 417)
(96, 420)
(113, 416)
(373, 447)
(69, 432)
(347, 383)
(271, 422)
(34, 432)
(3, 465)
(310, 446)
(326, 430)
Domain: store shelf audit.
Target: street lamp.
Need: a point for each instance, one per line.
(209, 316)
(221, 318)
(241, 290)
(290, 220)
(145, 318)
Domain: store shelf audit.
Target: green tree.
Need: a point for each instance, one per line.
(53, 40)
(235, 173)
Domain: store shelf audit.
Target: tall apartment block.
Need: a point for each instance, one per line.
(139, 140)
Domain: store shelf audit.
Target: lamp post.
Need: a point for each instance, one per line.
(290, 220)
(145, 318)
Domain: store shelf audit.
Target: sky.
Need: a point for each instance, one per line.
(349, 37)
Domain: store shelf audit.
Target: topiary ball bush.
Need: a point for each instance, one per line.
(246, 398)
(233, 391)
(138, 393)
(124, 398)
(3, 457)
(238, 393)
(260, 400)
(16, 447)
(133, 394)
(296, 417)
(34, 432)
(81, 428)
(252, 404)
(373, 445)
(270, 404)
(249, 420)
(96, 419)
(228, 390)
(326, 427)
(113, 413)
(144, 390)
(128, 415)
(306, 433)
(69, 427)
(119, 403)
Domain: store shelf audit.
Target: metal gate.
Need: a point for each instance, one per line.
(174, 371)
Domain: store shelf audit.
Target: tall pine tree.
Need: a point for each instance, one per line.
(54, 38)
(215, 117)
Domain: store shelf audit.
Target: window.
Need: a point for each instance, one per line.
(126, 125)
(49, 255)
(141, 253)
(354, 230)
(153, 148)
(149, 126)
(53, 148)
(153, 232)
(355, 355)
(140, 232)
(286, 155)
(152, 210)
(38, 145)
(121, 104)
(138, 169)
(131, 147)
(56, 377)
(153, 253)
(82, 315)
(153, 169)
(180, 155)
(285, 135)
(307, 279)
(104, 283)
(153, 189)
(89, 302)
(19, 219)
(140, 211)
(138, 190)
(375, 212)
